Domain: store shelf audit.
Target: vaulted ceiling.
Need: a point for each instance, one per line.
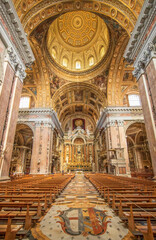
(84, 99)
(79, 46)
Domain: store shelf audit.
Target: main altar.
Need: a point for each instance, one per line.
(78, 151)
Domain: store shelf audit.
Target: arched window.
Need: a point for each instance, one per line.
(134, 100)
(91, 61)
(102, 51)
(53, 53)
(65, 62)
(78, 64)
(24, 102)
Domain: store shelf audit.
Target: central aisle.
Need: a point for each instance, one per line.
(80, 213)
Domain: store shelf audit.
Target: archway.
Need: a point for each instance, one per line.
(138, 150)
(22, 150)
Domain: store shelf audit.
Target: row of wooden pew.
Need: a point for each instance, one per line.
(132, 199)
(25, 200)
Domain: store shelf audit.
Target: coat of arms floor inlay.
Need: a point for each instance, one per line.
(80, 213)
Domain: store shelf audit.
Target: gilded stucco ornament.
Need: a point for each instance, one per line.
(89, 94)
(147, 55)
(14, 61)
(122, 9)
(79, 46)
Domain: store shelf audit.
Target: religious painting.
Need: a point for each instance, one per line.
(78, 108)
(78, 122)
(34, 90)
(78, 95)
(90, 127)
(56, 83)
(101, 82)
(128, 76)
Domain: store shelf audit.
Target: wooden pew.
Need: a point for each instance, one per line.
(134, 200)
(27, 198)
(9, 230)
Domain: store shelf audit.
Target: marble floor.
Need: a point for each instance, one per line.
(80, 213)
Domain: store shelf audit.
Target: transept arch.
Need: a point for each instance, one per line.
(22, 149)
(138, 149)
(32, 14)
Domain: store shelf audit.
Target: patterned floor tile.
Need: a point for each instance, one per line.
(85, 216)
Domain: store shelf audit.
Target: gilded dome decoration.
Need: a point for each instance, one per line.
(78, 42)
(77, 28)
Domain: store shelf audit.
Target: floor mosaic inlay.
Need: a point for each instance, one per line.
(80, 213)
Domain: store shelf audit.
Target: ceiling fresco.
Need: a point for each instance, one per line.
(84, 99)
(78, 47)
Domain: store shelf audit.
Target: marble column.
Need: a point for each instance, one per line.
(40, 152)
(116, 139)
(148, 106)
(9, 105)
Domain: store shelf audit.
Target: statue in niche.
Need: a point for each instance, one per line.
(90, 148)
(67, 158)
(67, 149)
(79, 149)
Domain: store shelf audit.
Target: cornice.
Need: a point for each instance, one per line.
(141, 47)
(15, 62)
(11, 54)
(33, 111)
(143, 23)
(123, 110)
(53, 122)
(145, 57)
(113, 115)
(13, 27)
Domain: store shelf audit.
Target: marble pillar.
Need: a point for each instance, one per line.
(148, 105)
(8, 126)
(41, 150)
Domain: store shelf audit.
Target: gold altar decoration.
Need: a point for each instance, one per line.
(80, 166)
(77, 157)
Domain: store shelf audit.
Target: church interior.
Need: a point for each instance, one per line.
(78, 119)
